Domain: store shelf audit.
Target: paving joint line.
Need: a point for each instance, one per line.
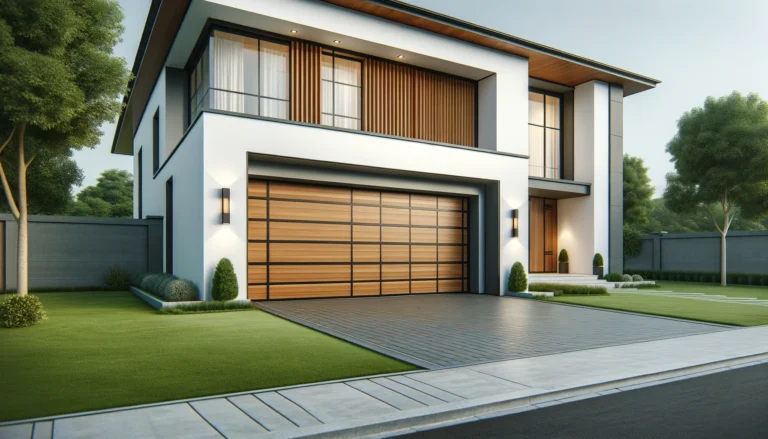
(206, 421)
(301, 407)
(372, 396)
(274, 409)
(246, 414)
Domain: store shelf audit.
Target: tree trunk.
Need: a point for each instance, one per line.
(722, 260)
(22, 268)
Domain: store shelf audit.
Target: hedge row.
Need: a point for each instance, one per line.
(168, 287)
(705, 276)
(568, 290)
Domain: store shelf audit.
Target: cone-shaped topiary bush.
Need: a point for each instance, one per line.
(224, 281)
(597, 261)
(563, 257)
(21, 311)
(518, 281)
(180, 290)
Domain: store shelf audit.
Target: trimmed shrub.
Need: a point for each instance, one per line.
(597, 261)
(117, 279)
(764, 280)
(21, 311)
(640, 286)
(209, 306)
(626, 278)
(568, 290)
(180, 290)
(224, 281)
(633, 242)
(162, 284)
(613, 277)
(637, 278)
(518, 280)
(563, 256)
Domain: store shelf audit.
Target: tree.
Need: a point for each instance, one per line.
(111, 197)
(637, 191)
(720, 154)
(50, 179)
(59, 82)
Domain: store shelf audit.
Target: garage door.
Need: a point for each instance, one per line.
(310, 241)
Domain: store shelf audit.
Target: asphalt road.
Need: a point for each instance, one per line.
(732, 404)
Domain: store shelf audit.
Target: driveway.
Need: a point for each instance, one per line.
(447, 330)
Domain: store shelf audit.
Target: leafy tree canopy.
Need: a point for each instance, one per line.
(660, 218)
(111, 197)
(637, 191)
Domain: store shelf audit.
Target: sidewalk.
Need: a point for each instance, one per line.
(417, 400)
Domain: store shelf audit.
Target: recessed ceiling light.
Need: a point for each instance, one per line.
(294, 31)
(337, 41)
(400, 56)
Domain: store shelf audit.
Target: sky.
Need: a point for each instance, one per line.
(697, 48)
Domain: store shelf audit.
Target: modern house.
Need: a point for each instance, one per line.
(356, 148)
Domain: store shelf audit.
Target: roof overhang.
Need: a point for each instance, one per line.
(557, 189)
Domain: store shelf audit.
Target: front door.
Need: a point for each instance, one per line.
(543, 235)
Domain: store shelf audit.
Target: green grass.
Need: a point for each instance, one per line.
(109, 349)
(691, 309)
(730, 290)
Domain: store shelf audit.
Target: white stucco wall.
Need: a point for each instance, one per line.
(583, 222)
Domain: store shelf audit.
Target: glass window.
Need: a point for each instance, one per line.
(544, 135)
(243, 75)
(341, 92)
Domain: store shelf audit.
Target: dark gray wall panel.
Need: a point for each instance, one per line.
(616, 189)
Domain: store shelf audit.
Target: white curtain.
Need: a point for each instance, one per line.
(535, 151)
(229, 72)
(552, 160)
(274, 80)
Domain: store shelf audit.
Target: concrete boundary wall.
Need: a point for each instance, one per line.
(71, 252)
(747, 252)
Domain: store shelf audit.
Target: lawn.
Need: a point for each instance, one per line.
(730, 290)
(109, 349)
(715, 312)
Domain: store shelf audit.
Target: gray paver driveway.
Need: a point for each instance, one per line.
(446, 330)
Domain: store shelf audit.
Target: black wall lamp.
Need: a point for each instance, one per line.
(225, 205)
(515, 216)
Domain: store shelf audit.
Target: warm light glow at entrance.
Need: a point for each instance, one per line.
(514, 223)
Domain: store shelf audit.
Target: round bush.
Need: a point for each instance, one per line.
(20, 311)
(518, 281)
(146, 281)
(597, 261)
(613, 277)
(626, 278)
(162, 284)
(180, 290)
(637, 278)
(224, 281)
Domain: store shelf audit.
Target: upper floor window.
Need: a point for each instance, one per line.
(341, 91)
(243, 75)
(544, 134)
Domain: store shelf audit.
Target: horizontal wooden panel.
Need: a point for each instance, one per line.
(423, 253)
(395, 199)
(366, 253)
(423, 286)
(257, 274)
(257, 252)
(257, 230)
(297, 210)
(449, 236)
(449, 203)
(425, 201)
(257, 292)
(449, 270)
(304, 291)
(449, 286)
(425, 236)
(395, 287)
(366, 214)
(279, 231)
(394, 253)
(394, 216)
(423, 271)
(309, 252)
(449, 253)
(449, 219)
(257, 209)
(257, 188)
(366, 288)
(295, 191)
(366, 233)
(465, 285)
(366, 197)
(309, 273)
(395, 271)
(366, 272)
(395, 234)
(424, 218)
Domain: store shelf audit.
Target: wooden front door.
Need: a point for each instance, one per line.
(543, 235)
(310, 241)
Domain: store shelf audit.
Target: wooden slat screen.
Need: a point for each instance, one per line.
(305, 82)
(388, 98)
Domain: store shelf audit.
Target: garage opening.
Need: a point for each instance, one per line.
(313, 241)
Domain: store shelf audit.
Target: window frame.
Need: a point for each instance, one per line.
(156, 141)
(560, 130)
(339, 54)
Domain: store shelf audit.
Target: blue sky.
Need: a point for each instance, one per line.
(696, 48)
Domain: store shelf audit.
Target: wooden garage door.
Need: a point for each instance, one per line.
(309, 241)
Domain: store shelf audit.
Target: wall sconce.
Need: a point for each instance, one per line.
(514, 223)
(225, 205)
